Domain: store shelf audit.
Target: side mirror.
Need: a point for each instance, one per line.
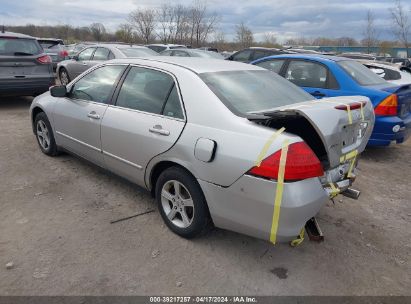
(74, 57)
(58, 91)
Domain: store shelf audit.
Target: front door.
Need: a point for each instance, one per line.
(145, 121)
(77, 117)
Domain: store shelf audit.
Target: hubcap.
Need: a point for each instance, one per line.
(177, 204)
(43, 135)
(64, 78)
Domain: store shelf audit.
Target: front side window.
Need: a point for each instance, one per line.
(86, 54)
(360, 73)
(101, 54)
(147, 90)
(251, 91)
(307, 74)
(97, 85)
(272, 65)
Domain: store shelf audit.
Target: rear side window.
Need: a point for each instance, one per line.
(360, 73)
(173, 106)
(272, 65)
(101, 54)
(145, 90)
(252, 91)
(307, 74)
(97, 85)
(19, 47)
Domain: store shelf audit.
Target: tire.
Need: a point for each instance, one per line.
(44, 135)
(64, 76)
(197, 218)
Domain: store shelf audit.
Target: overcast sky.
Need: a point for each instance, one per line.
(286, 18)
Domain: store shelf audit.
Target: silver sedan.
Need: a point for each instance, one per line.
(216, 142)
(93, 55)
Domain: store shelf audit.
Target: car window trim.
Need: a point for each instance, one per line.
(176, 83)
(329, 75)
(109, 101)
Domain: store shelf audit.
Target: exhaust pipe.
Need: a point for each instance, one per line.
(351, 193)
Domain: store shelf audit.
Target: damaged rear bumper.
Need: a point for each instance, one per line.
(247, 206)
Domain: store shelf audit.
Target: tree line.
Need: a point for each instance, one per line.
(196, 26)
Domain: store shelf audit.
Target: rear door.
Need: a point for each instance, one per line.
(145, 121)
(77, 118)
(314, 77)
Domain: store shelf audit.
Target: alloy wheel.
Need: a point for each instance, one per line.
(64, 78)
(43, 134)
(177, 204)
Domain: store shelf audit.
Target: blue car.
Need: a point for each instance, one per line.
(329, 76)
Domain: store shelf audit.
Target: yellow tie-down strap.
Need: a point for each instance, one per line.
(350, 156)
(279, 192)
(267, 146)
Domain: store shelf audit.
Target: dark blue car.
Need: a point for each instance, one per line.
(328, 76)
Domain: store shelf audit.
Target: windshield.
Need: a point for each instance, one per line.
(19, 47)
(361, 74)
(244, 92)
(138, 52)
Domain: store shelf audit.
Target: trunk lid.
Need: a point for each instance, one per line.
(340, 132)
(12, 67)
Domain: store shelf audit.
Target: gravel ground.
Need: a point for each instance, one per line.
(55, 228)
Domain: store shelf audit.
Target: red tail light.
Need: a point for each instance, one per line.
(63, 53)
(44, 59)
(301, 163)
(388, 107)
(353, 106)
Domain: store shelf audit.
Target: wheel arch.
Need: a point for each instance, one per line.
(34, 112)
(160, 167)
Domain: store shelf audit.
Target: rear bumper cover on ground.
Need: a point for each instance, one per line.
(247, 206)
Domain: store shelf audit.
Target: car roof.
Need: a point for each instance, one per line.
(318, 57)
(194, 64)
(15, 35)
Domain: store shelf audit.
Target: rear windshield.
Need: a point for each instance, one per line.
(48, 44)
(19, 47)
(138, 52)
(244, 92)
(360, 73)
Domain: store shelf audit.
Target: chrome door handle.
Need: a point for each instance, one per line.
(159, 130)
(93, 115)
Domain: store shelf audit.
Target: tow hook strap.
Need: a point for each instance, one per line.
(299, 239)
